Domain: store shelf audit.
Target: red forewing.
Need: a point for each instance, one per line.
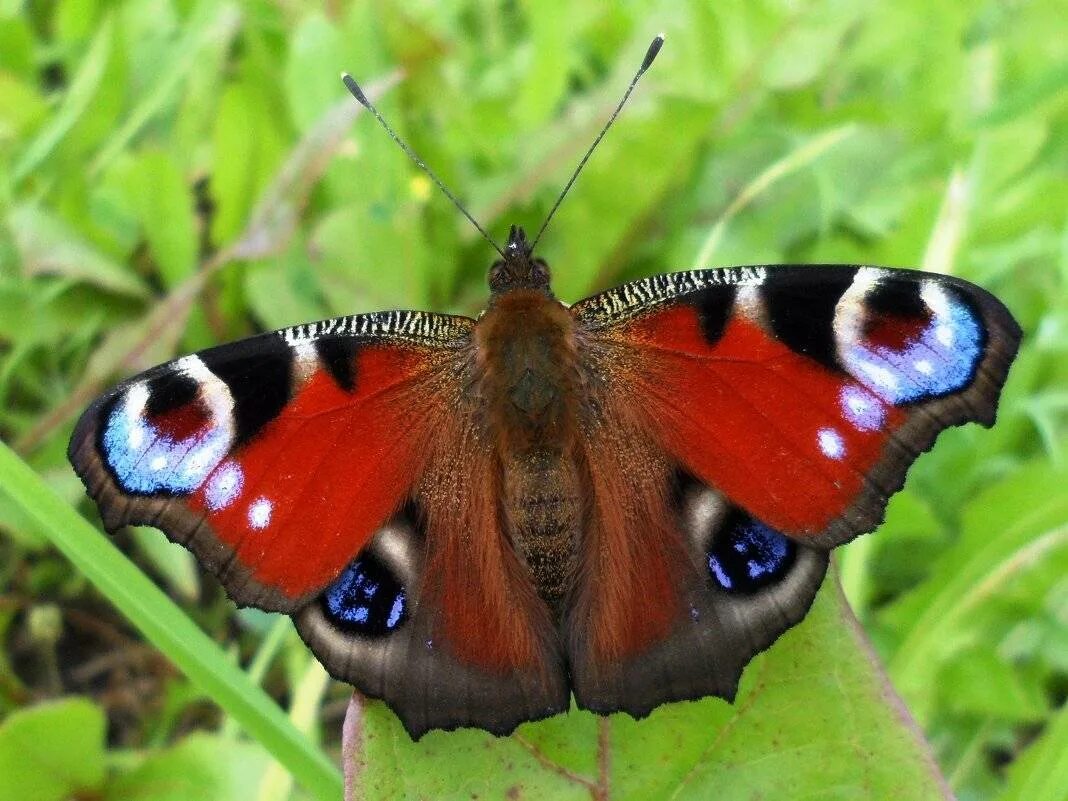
(802, 394)
(274, 458)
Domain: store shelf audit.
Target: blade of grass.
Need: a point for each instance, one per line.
(267, 650)
(167, 627)
(74, 104)
(796, 160)
(949, 228)
(207, 25)
(992, 551)
(277, 782)
(1042, 772)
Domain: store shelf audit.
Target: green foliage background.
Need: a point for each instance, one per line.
(175, 173)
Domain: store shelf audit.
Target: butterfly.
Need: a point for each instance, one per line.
(623, 500)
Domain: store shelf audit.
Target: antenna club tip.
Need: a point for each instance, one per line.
(354, 88)
(650, 54)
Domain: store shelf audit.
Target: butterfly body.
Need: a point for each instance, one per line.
(529, 380)
(623, 500)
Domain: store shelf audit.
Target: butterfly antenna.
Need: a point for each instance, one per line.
(357, 92)
(647, 62)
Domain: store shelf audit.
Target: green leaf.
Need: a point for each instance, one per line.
(809, 46)
(166, 626)
(283, 290)
(243, 164)
(1007, 530)
(52, 752)
(815, 718)
(47, 245)
(982, 683)
(209, 23)
(75, 102)
(163, 202)
(21, 108)
(1042, 772)
(16, 44)
(316, 58)
(201, 767)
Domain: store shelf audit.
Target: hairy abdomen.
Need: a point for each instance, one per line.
(529, 385)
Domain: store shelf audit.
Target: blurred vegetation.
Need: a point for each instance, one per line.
(176, 173)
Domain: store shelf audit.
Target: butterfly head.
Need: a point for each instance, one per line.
(519, 269)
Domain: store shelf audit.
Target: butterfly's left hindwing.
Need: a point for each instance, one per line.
(740, 423)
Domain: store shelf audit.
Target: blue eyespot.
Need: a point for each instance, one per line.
(366, 599)
(941, 358)
(145, 459)
(747, 555)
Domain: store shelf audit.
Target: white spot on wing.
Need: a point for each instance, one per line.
(882, 376)
(134, 406)
(213, 390)
(861, 408)
(831, 443)
(749, 302)
(224, 486)
(305, 359)
(259, 513)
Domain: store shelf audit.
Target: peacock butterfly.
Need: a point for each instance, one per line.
(624, 500)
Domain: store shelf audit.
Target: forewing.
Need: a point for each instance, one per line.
(275, 458)
(802, 393)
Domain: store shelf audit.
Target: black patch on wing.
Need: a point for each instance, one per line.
(338, 356)
(258, 373)
(169, 391)
(896, 299)
(714, 307)
(801, 313)
(746, 556)
(367, 599)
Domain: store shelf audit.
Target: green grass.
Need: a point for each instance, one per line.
(175, 174)
(167, 627)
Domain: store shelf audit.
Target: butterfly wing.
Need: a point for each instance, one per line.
(325, 471)
(772, 411)
(475, 646)
(274, 458)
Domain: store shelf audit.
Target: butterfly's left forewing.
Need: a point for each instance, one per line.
(750, 419)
